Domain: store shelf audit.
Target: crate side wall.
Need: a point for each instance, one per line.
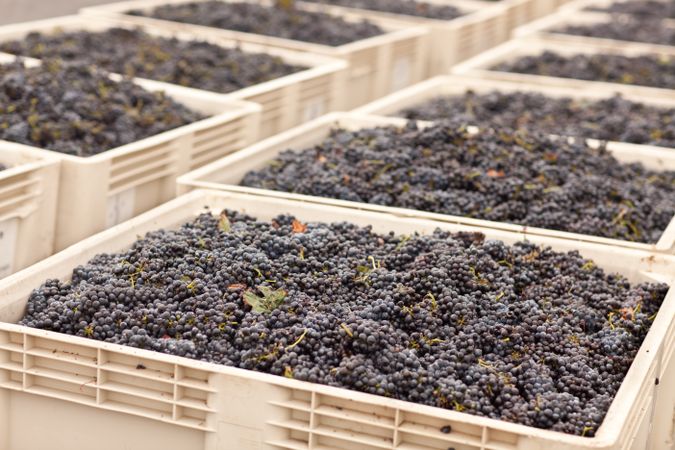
(36, 236)
(78, 427)
(28, 205)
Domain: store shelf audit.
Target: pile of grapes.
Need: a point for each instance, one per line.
(134, 53)
(519, 333)
(275, 20)
(78, 110)
(643, 70)
(633, 122)
(495, 174)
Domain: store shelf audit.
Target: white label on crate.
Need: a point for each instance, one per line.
(400, 77)
(8, 236)
(314, 109)
(120, 207)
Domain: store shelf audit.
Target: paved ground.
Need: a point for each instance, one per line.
(23, 10)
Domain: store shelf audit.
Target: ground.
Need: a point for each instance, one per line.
(23, 10)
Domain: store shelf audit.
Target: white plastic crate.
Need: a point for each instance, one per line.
(579, 5)
(547, 26)
(100, 191)
(286, 101)
(481, 65)
(28, 195)
(120, 397)
(226, 174)
(377, 65)
(483, 25)
(455, 85)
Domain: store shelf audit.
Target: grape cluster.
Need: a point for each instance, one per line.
(405, 7)
(495, 174)
(3, 167)
(642, 8)
(650, 30)
(135, 53)
(520, 333)
(78, 110)
(277, 20)
(643, 70)
(629, 121)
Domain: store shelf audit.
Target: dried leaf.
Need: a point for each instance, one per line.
(236, 286)
(304, 333)
(299, 227)
(534, 254)
(347, 329)
(224, 223)
(286, 4)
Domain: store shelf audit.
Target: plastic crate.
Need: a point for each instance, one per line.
(155, 401)
(100, 191)
(546, 28)
(483, 25)
(448, 85)
(377, 65)
(480, 66)
(28, 195)
(454, 85)
(286, 101)
(226, 174)
(579, 5)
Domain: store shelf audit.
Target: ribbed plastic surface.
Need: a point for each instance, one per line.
(28, 194)
(483, 25)
(158, 401)
(377, 66)
(227, 173)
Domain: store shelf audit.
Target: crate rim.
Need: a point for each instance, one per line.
(38, 160)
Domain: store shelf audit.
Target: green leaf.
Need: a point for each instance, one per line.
(269, 301)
